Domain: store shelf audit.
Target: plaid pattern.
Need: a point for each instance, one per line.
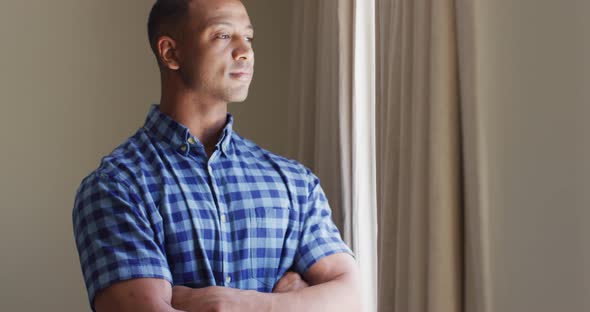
(158, 207)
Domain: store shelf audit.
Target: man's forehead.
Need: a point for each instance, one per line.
(214, 11)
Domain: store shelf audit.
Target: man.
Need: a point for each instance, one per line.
(187, 215)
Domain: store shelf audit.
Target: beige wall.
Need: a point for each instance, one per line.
(263, 116)
(77, 78)
(535, 87)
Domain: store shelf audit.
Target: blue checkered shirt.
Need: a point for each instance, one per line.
(158, 207)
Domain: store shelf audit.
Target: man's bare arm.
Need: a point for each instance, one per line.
(141, 294)
(334, 284)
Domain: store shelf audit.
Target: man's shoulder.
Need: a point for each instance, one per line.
(125, 162)
(255, 152)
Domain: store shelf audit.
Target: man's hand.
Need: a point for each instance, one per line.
(215, 298)
(291, 281)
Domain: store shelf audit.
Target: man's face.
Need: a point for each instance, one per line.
(216, 55)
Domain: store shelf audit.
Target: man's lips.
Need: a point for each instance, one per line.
(244, 76)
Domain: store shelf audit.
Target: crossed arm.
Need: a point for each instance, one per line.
(333, 286)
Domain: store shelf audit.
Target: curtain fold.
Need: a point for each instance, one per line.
(331, 117)
(319, 96)
(431, 200)
(477, 236)
(419, 158)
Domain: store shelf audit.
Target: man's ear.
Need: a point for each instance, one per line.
(168, 52)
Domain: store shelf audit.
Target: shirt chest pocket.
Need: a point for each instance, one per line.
(268, 225)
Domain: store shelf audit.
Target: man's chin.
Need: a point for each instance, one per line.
(237, 98)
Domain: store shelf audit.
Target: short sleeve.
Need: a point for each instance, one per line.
(319, 235)
(115, 240)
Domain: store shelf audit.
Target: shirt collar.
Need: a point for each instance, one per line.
(178, 136)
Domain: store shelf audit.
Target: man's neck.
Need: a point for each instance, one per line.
(205, 118)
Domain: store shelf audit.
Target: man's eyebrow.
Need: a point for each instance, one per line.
(214, 23)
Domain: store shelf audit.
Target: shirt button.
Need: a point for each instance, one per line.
(191, 140)
(228, 279)
(183, 148)
(223, 218)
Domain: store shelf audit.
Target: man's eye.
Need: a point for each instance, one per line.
(223, 36)
(250, 39)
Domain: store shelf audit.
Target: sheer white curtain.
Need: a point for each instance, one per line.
(363, 149)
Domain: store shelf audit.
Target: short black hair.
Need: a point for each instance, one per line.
(165, 16)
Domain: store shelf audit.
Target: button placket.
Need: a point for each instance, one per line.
(223, 222)
(224, 227)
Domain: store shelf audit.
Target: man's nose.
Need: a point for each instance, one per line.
(243, 50)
